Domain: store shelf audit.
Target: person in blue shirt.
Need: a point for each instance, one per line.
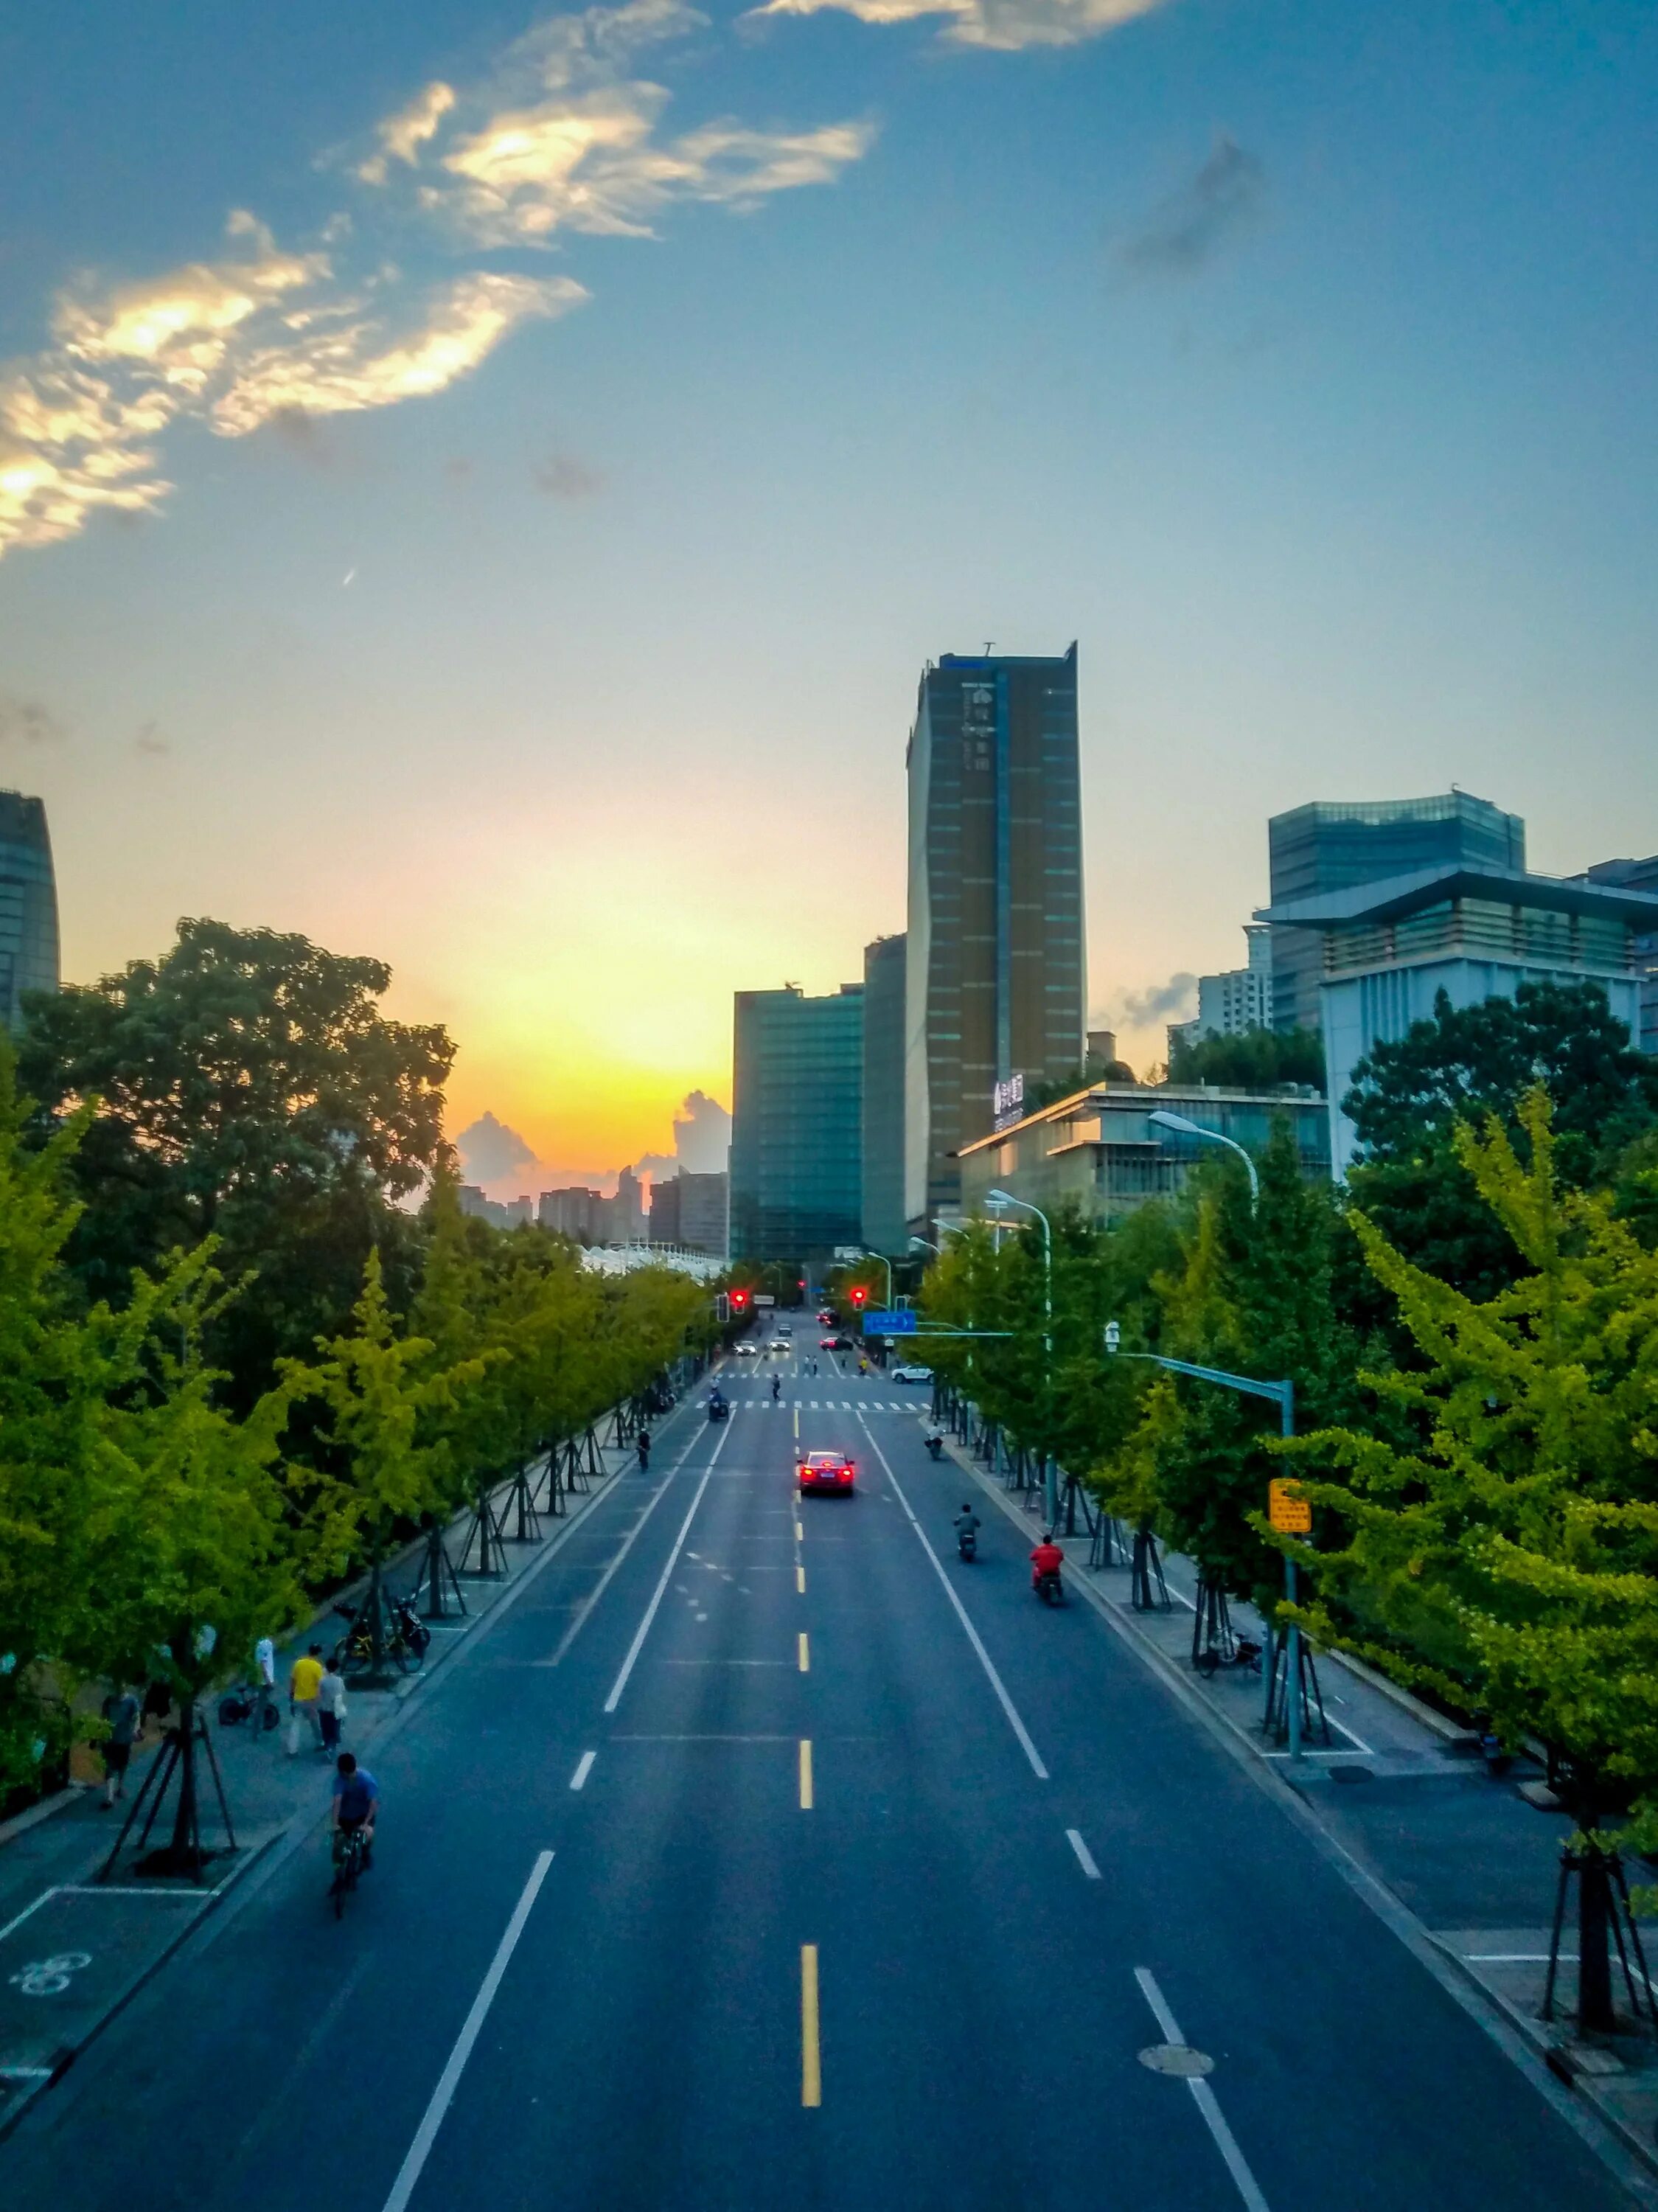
(356, 1800)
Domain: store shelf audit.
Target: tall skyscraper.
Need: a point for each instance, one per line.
(1328, 847)
(884, 1228)
(797, 1123)
(29, 904)
(704, 1212)
(995, 983)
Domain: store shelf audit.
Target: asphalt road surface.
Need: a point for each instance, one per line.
(763, 1855)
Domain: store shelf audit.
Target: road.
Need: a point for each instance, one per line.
(1021, 1866)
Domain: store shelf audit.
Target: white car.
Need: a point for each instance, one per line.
(748, 1351)
(910, 1375)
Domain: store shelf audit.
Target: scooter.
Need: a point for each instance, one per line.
(935, 1447)
(1049, 1588)
(968, 1544)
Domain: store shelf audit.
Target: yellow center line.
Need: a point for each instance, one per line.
(805, 1774)
(811, 2063)
(800, 1579)
(805, 1654)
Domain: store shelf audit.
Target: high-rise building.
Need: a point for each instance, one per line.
(883, 1206)
(1638, 876)
(995, 985)
(1239, 998)
(624, 1216)
(1388, 949)
(704, 1212)
(665, 1210)
(1332, 846)
(797, 1123)
(29, 904)
(576, 1213)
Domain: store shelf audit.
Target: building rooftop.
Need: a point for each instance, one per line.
(1397, 896)
(1174, 1094)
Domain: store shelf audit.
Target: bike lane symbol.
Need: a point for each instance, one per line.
(50, 1977)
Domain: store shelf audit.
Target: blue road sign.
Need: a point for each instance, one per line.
(889, 1324)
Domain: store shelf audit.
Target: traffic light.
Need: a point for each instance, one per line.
(740, 1301)
(860, 1295)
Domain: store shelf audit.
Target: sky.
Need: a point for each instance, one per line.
(479, 486)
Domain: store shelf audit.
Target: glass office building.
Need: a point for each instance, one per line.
(1328, 847)
(1638, 876)
(995, 979)
(884, 1228)
(797, 1123)
(29, 904)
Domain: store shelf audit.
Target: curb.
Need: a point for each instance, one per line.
(1574, 2097)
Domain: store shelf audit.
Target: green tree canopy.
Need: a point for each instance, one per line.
(246, 1085)
(1253, 1060)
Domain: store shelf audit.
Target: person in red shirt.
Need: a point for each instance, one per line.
(1046, 1559)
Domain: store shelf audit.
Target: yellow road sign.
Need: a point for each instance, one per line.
(1286, 1508)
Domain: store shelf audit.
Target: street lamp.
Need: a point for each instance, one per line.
(1283, 1395)
(1050, 1472)
(926, 1245)
(1182, 1128)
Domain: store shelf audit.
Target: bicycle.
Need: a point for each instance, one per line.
(350, 1848)
(250, 1699)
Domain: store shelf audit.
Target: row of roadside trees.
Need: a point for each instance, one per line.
(1472, 1329)
(247, 1340)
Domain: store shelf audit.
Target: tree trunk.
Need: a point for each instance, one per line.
(185, 1850)
(1595, 2012)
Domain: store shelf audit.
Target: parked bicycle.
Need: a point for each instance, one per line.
(249, 1700)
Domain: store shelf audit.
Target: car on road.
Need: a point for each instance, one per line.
(830, 1471)
(826, 1317)
(748, 1352)
(828, 1343)
(910, 1375)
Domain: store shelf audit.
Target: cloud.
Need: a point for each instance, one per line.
(238, 344)
(490, 1150)
(368, 362)
(1003, 26)
(560, 136)
(26, 721)
(150, 740)
(1225, 199)
(563, 137)
(561, 476)
(701, 1135)
(1157, 1002)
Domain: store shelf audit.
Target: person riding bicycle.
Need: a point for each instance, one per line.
(643, 1447)
(356, 1801)
(1046, 1559)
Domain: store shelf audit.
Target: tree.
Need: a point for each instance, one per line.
(246, 1085)
(1507, 1561)
(1411, 1097)
(377, 1468)
(1253, 1060)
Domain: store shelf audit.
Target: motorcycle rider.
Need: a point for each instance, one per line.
(1046, 1559)
(966, 1524)
(934, 1441)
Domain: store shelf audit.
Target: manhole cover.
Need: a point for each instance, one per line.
(1176, 2059)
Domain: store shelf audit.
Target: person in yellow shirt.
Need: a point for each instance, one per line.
(303, 1684)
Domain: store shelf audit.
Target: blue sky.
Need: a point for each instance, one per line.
(670, 386)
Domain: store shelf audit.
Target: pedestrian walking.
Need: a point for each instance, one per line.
(121, 1710)
(265, 1670)
(303, 1684)
(330, 1705)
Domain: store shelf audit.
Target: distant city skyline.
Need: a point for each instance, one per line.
(510, 556)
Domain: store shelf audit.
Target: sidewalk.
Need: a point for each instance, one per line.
(74, 1951)
(1467, 1860)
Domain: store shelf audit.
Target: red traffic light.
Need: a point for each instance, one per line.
(739, 1300)
(858, 1294)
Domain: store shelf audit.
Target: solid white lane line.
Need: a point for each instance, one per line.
(585, 1767)
(598, 1589)
(985, 1659)
(426, 2134)
(1085, 1856)
(1204, 2098)
(644, 1628)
